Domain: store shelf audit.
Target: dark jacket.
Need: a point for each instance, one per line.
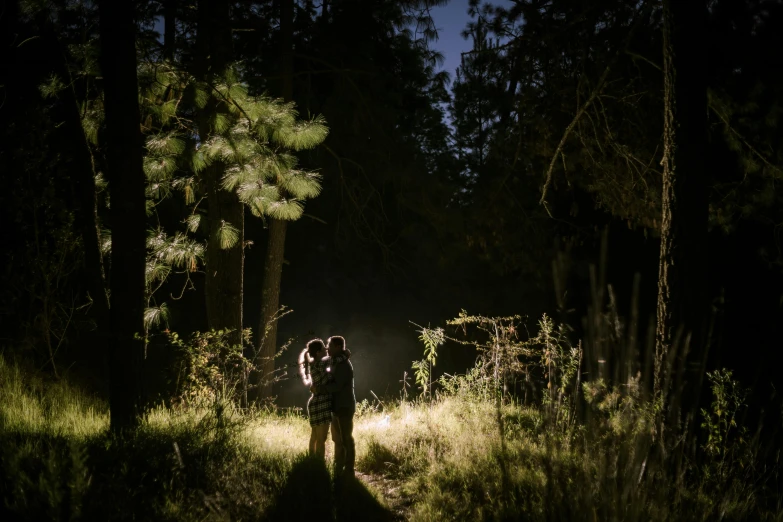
(341, 387)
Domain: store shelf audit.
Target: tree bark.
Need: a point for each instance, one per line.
(224, 267)
(87, 223)
(169, 28)
(71, 135)
(682, 282)
(128, 209)
(273, 267)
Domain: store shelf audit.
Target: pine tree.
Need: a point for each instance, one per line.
(682, 281)
(126, 175)
(250, 144)
(474, 108)
(275, 249)
(225, 239)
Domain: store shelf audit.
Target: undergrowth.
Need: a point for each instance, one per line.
(520, 436)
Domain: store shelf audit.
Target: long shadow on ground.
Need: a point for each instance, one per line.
(309, 494)
(353, 501)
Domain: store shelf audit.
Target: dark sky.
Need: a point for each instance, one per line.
(450, 20)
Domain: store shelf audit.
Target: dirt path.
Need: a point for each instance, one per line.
(398, 503)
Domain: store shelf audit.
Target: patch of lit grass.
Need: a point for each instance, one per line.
(285, 435)
(31, 405)
(446, 456)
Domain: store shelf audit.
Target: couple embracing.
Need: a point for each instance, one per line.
(327, 370)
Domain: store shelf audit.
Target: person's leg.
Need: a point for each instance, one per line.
(313, 438)
(349, 446)
(339, 450)
(320, 432)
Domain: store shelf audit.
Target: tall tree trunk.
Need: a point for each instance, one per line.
(682, 280)
(273, 266)
(71, 135)
(224, 266)
(128, 209)
(169, 28)
(87, 223)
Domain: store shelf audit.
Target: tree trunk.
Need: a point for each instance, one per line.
(273, 267)
(71, 135)
(87, 223)
(270, 303)
(169, 28)
(128, 209)
(224, 266)
(682, 281)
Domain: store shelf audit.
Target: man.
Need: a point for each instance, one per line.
(343, 406)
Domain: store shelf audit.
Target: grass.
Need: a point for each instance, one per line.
(445, 457)
(58, 461)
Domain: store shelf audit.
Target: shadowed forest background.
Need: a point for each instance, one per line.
(175, 172)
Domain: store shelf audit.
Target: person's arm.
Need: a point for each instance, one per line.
(341, 373)
(320, 376)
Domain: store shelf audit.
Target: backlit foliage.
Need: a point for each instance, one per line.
(252, 137)
(213, 369)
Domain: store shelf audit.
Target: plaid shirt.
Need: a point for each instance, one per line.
(319, 407)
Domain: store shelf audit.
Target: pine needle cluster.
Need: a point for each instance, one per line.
(253, 138)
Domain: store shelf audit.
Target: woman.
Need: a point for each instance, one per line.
(313, 369)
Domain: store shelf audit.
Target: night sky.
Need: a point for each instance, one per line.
(450, 21)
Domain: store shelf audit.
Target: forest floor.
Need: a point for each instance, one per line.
(443, 459)
(392, 491)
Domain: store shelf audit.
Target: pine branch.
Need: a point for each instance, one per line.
(744, 141)
(596, 91)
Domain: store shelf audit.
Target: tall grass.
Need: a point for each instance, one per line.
(58, 460)
(583, 439)
(449, 459)
(34, 405)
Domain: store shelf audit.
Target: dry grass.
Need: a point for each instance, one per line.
(440, 460)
